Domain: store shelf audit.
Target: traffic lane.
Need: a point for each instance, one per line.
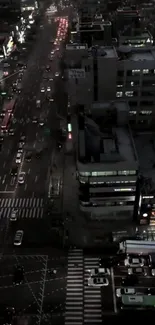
(107, 296)
(122, 270)
(143, 281)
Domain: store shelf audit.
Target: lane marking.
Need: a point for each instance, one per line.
(113, 290)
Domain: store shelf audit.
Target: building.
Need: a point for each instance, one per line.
(129, 71)
(135, 37)
(107, 163)
(96, 32)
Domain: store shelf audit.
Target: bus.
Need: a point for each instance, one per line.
(144, 247)
(9, 106)
(138, 301)
(8, 110)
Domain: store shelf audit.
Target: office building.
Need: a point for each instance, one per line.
(105, 73)
(107, 163)
(10, 10)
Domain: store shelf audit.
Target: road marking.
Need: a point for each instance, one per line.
(7, 192)
(29, 171)
(36, 179)
(6, 187)
(25, 187)
(4, 178)
(113, 290)
(4, 164)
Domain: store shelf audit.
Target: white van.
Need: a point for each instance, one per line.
(18, 237)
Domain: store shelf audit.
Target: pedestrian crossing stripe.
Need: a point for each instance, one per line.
(21, 202)
(33, 213)
(29, 213)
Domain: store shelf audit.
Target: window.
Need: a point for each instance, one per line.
(119, 94)
(145, 71)
(145, 112)
(132, 112)
(132, 104)
(84, 174)
(129, 93)
(135, 72)
(120, 73)
(126, 172)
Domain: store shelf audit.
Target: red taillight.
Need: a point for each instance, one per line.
(70, 136)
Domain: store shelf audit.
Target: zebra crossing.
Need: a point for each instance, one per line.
(83, 303)
(74, 291)
(28, 208)
(21, 202)
(92, 295)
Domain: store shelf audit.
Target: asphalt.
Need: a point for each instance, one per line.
(41, 293)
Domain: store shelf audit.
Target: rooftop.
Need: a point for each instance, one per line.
(137, 54)
(104, 136)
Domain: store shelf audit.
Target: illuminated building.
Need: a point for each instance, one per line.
(107, 163)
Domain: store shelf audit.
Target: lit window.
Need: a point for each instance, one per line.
(146, 112)
(145, 71)
(136, 71)
(132, 112)
(119, 94)
(129, 93)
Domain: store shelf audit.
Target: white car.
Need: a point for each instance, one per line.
(125, 291)
(14, 214)
(48, 88)
(98, 282)
(19, 158)
(42, 89)
(134, 262)
(57, 74)
(153, 272)
(99, 271)
(21, 178)
(18, 237)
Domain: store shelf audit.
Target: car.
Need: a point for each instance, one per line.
(11, 132)
(41, 122)
(57, 74)
(21, 178)
(98, 282)
(8, 315)
(34, 119)
(99, 271)
(137, 271)
(125, 291)
(14, 215)
(38, 103)
(130, 280)
(52, 52)
(38, 154)
(2, 113)
(153, 272)
(20, 147)
(18, 276)
(19, 158)
(14, 170)
(48, 88)
(134, 261)
(1, 138)
(28, 156)
(22, 139)
(18, 237)
(42, 89)
(48, 68)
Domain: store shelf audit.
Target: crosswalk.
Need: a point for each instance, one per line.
(92, 295)
(74, 291)
(28, 208)
(83, 303)
(30, 213)
(21, 202)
